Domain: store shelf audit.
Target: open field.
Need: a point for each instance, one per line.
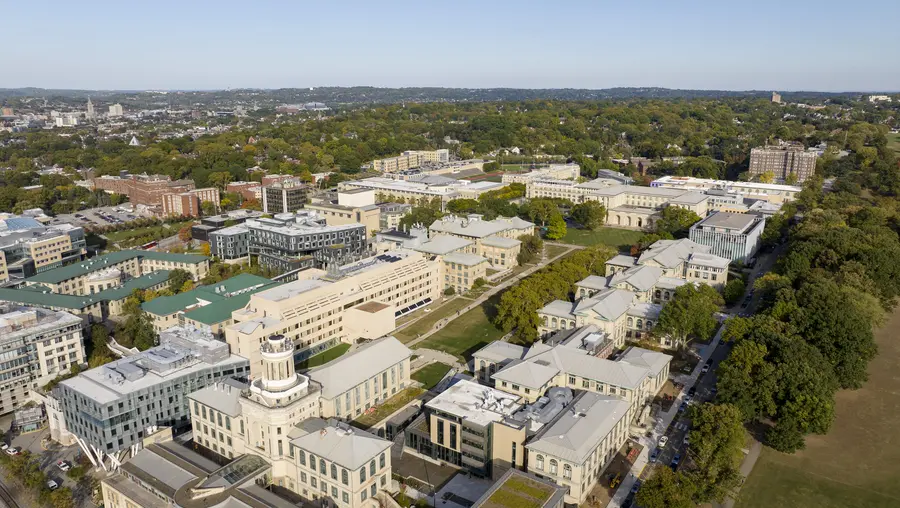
(621, 239)
(431, 374)
(428, 320)
(467, 333)
(857, 463)
(554, 250)
(324, 357)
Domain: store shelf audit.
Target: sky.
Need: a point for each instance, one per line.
(782, 45)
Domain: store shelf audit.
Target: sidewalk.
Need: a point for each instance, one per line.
(660, 426)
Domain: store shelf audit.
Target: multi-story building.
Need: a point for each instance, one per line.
(285, 196)
(410, 159)
(290, 241)
(116, 110)
(74, 279)
(769, 192)
(230, 244)
(147, 190)
(38, 345)
(392, 214)
(278, 417)
(216, 222)
(362, 379)
(354, 206)
(787, 162)
(214, 300)
(625, 303)
(27, 247)
(566, 189)
(113, 407)
(357, 300)
(428, 188)
(188, 203)
(551, 172)
(495, 240)
(247, 190)
(734, 236)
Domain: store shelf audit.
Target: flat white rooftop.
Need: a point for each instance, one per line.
(475, 403)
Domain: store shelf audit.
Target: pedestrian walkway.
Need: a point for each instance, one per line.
(489, 293)
(660, 426)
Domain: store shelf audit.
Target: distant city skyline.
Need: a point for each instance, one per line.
(762, 45)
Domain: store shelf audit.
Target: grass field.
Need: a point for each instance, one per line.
(857, 464)
(467, 333)
(431, 374)
(325, 357)
(894, 142)
(621, 239)
(554, 250)
(428, 320)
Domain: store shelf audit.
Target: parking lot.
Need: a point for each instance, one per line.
(102, 216)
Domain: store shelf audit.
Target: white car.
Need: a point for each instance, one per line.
(12, 451)
(662, 441)
(687, 439)
(705, 369)
(63, 465)
(4, 446)
(52, 485)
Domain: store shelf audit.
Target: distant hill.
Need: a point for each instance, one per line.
(375, 95)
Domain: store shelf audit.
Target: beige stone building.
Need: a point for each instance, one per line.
(411, 159)
(354, 206)
(785, 162)
(312, 312)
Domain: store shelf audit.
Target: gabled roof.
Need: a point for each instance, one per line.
(527, 373)
(608, 304)
(577, 362)
(350, 447)
(622, 260)
(353, 368)
(594, 282)
(443, 244)
(499, 351)
(645, 358)
(671, 253)
(67, 272)
(641, 278)
(499, 241)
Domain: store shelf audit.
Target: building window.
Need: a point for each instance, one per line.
(539, 462)
(345, 477)
(381, 461)
(322, 468)
(553, 466)
(372, 468)
(362, 474)
(333, 472)
(567, 472)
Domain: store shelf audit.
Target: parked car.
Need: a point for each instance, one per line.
(721, 342)
(4, 446)
(692, 391)
(654, 455)
(687, 398)
(714, 390)
(662, 441)
(636, 487)
(687, 439)
(52, 485)
(63, 465)
(705, 369)
(12, 451)
(675, 460)
(683, 407)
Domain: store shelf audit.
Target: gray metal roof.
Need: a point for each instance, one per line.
(464, 259)
(641, 278)
(728, 220)
(671, 253)
(499, 241)
(223, 396)
(338, 442)
(645, 358)
(443, 244)
(147, 464)
(581, 429)
(499, 351)
(608, 304)
(342, 374)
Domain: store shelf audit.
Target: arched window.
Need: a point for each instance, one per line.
(553, 323)
(539, 462)
(322, 468)
(567, 471)
(640, 222)
(658, 293)
(640, 323)
(649, 324)
(333, 472)
(545, 320)
(553, 466)
(345, 477)
(372, 468)
(630, 322)
(302, 458)
(381, 461)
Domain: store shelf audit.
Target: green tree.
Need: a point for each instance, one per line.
(531, 249)
(177, 278)
(556, 229)
(734, 291)
(420, 215)
(676, 221)
(590, 214)
(716, 438)
(219, 179)
(666, 489)
(746, 380)
(542, 211)
(690, 313)
(208, 208)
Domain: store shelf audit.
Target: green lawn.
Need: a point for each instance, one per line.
(467, 333)
(857, 463)
(324, 357)
(554, 250)
(384, 410)
(431, 374)
(428, 320)
(621, 239)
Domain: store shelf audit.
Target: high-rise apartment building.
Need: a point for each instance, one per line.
(116, 110)
(147, 190)
(286, 196)
(38, 345)
(411, 159)
(787, 163)
(189, 203)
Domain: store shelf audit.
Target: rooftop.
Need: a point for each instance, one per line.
(475, 403)
(203, 296)
(464, 259)
(58, 275)
(38, 294)
(518, 489)
(443, 244)
(726, 220)
(353, 368)
(338, 442)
